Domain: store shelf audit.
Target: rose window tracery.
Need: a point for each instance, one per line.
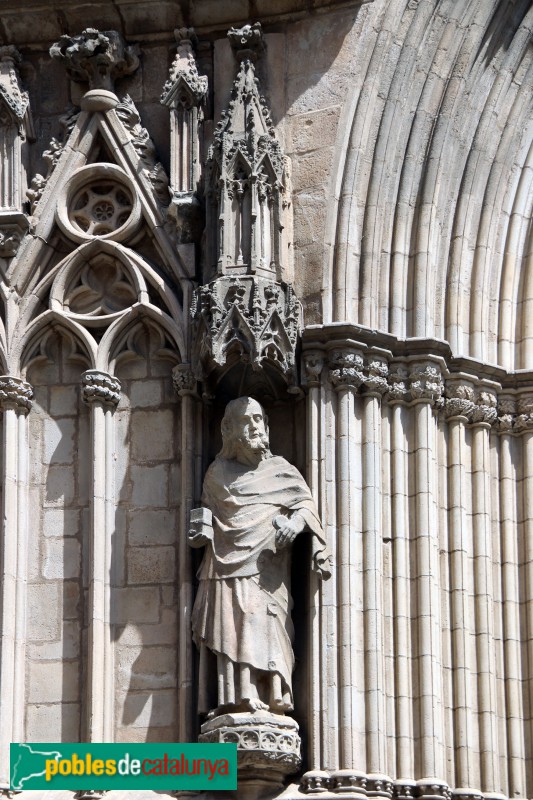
(101, 208)
(100, 201)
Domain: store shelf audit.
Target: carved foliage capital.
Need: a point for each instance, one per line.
(96, 57)
(426, 384)
(459, 400)
(376, 374)
(524, 417)
(313, 364)
(99, 387)
(15, 393)
(398, 390)
(183, 379)
(485, 410)
(346, 368)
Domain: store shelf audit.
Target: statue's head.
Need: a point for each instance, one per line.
(244, 430)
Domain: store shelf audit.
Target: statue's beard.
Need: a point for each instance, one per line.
(258, 441)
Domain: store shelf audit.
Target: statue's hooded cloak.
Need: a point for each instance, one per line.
(242, 609)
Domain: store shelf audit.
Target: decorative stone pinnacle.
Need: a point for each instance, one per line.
(247, 42)
(184, 84)
(184, 380)
(15, 393)
(99, 387)
(11, 93)
(98, 58)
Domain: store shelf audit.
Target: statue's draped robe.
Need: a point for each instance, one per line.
(242, 608)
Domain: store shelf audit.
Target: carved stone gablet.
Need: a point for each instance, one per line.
(249, 316)
(96, 57)
(268, 745)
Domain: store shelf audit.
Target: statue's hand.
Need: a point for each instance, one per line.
(288, 529)
(198, 539)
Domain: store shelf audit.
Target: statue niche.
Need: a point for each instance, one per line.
(254, 505)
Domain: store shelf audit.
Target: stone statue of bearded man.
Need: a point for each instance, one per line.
(254, 504)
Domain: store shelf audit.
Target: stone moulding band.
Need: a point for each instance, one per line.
(411, 371)
(351, 783)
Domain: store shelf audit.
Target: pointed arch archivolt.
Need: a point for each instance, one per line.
(428, 176)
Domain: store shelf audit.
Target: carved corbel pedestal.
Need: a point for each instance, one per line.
(268, 749)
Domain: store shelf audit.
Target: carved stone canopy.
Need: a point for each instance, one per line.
(249, 318)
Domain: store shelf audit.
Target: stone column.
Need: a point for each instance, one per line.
(524, 426)
(483, 416)
(101, 392)
(425, 385)
(458, 411)
(313, 365)
(347, 374)
(185, 387)
(512, 647)
(397, 397)
(375, 384)
(15, 402)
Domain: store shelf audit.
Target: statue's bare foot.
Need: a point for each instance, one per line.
(255, 704)
(281, 706)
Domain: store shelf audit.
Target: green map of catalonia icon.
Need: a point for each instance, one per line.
(27, 763)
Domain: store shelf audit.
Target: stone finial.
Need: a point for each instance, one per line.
(96, 57)
(15, 393)
(99, 387)
(247, 42)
